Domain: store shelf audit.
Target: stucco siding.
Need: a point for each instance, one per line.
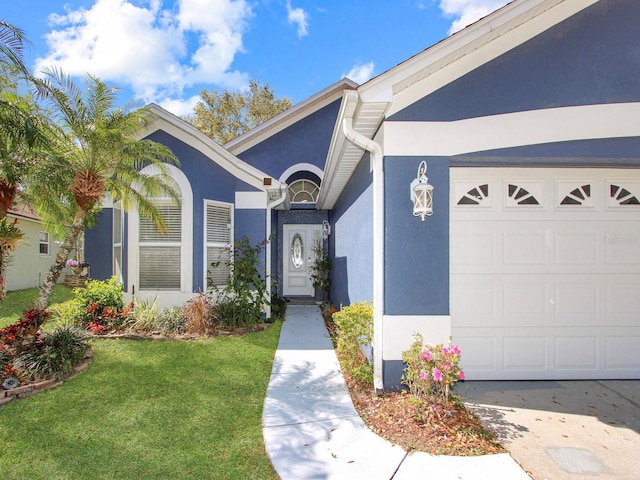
(99, 246)
(591, 58)
(306, 141)
(352, 239)
(416, 252)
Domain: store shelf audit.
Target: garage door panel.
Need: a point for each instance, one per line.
(623, 353)
(475, 249)
(524, 352)
(576, 248)
(578, 301)
(548, 290)
(576, 353)
(525, 302)
(525, 248)
(623, 302)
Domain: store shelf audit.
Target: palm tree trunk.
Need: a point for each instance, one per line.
(3, 268)
(42, 301)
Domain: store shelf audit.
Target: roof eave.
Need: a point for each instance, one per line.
(212, 150)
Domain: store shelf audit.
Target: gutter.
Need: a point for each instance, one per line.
(270, 206)
(378, 240)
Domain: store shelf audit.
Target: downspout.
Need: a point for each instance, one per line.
(378, 243)
(270, 207)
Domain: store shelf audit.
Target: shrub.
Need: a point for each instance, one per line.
(101, 306)
(278, 308)
(198, 315)
(431, 370)
(355, 330)
(143, 315)
(242, 301)
(53, 353)
(171, 320)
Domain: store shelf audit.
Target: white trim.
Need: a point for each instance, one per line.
(204, 233)
(300, 167)
(251, 200)
(47, 243)
(400, 329)
(186, 252)
(361, 141)
(512, 130)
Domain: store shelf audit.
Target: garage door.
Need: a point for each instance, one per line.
(545, 272)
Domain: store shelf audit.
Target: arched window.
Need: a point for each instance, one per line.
(303, 191)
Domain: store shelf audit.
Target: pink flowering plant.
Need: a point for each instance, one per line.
(431, 370)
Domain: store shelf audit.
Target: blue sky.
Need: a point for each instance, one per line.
(167, 51)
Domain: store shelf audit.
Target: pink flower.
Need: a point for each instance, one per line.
(461, 375)
(437, 374)
(423, 375)
(426, 354)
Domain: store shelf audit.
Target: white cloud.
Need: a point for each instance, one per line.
(297, 16)
(139, 44)
(466, 12)
(179, 107)
(360, 73)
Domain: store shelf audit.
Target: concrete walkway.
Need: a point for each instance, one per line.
(312, 430)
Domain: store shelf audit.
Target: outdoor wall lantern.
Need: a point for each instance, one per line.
(326, 229)
(422, 193)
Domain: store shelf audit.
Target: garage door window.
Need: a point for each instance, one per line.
(622, 196)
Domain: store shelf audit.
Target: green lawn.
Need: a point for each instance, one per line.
(152, 410)
(17, 302)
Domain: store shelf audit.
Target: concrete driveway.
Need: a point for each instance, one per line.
(560, 430)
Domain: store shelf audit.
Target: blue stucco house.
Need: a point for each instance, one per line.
(529, 124)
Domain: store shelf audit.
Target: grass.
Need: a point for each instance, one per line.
(16, 302)
(153, 410)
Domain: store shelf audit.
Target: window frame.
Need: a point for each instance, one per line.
(213, 244)
(46, 243)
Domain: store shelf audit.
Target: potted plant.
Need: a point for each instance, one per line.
(320, 269)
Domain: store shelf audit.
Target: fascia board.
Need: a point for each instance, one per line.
(348, 108)
(289, 117)
(440, 59)
(190, 135)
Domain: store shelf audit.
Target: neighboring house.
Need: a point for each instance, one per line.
(34, 256)
(528, 121)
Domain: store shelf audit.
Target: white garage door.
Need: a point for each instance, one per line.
(545, 272)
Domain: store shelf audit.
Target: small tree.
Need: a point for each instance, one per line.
(226, 115)
(93, 152)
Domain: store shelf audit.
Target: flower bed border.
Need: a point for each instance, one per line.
(157, 336)
(23, 391)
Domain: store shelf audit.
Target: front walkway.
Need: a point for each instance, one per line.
(312, 430)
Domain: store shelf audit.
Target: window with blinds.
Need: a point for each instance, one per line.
(117, 241)
(160, 253)
(219, 242)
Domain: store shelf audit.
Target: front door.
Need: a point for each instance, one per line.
(297, 253)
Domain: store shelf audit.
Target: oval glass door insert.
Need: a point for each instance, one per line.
(297, 251)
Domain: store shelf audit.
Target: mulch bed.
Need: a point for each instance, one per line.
(436, 426)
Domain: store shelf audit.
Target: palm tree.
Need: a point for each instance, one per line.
(94, 153)
(18, 134)
(16, 124)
